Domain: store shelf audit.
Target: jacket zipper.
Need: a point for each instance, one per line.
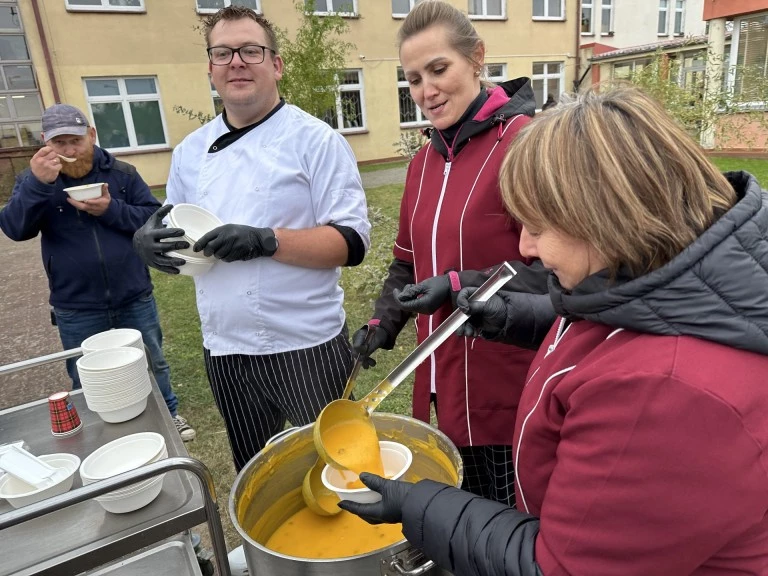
(101, 262)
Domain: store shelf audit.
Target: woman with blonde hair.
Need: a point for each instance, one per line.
(641, 445)
(452, 219)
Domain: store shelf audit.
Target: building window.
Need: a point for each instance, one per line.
(348, 115)
(548, 9)
(693, 70)
(487, 9)
(625, 70)
(586, 17)
(663, 28)
(400, 8)
(211, 6)
(20, 104)
(218, 103)
(410, 114)
(606, 18)
(679, 17)
(127, 113)
(547, 80)
(749, 54)
(106, 5)
(496, 73)
(341, 7)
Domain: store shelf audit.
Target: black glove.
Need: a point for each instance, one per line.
(365, 345)
(389, 510)
(425, 297)
(146, 242)
(486, 319)
(232, 242)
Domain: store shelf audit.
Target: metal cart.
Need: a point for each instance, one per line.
(71, 534)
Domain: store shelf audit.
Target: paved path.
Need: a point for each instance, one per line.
(25, 326)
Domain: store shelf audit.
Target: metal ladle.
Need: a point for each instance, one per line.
(316, 496)
(346, 411)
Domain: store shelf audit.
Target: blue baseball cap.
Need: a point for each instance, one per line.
(63, 119)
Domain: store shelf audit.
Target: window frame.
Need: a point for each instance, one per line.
(496, 79)
(105, 7)
(606, 5)
(226, 3)
(411, 4)
(681, 12)
(420, 122)
(352, 14)
(591, 5)
(545, 76)
(124, 99)
(733, 60)
(485, 15)
(665, 11)
(547, 17)
(359, 87)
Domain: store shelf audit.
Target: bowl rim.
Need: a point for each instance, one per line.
(382, 444)
(73, 458)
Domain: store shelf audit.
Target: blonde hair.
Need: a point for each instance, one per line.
(462, 36)
(232, 13)
(615, 170)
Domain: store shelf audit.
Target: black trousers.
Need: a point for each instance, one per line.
(257, 394)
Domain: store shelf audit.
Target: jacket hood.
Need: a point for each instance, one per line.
(715, 289)
(505, 101)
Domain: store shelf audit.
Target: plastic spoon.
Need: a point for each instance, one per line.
(67, 158)
(346, 412)
(316, 496)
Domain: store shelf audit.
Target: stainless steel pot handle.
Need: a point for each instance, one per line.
(281, 434)
(397, 566)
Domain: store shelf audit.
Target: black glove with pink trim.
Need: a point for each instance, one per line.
(365, 346)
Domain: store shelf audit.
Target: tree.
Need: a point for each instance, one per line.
(314, 62)
(314, 59)
(729, 110)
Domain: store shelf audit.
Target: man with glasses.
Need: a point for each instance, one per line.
(287, 185)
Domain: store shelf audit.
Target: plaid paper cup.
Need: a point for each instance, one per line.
(64, 418)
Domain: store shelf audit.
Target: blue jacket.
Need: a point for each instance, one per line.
(89, 260)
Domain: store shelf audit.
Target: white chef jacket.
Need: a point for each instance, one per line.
(291, 171)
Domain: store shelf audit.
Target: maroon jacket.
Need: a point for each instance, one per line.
(452, 218)
(641, 444)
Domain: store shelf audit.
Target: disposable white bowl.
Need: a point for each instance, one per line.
(116, 338)
(133, 501)
(20, 493)
(110, 359)
(85, 192)
(194, 220)
(193, 266)
(124, 413)
(121, 455)
(396, 459)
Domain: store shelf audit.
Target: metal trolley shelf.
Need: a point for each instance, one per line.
(71, 534)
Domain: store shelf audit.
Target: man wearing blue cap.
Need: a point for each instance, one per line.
(97, 281)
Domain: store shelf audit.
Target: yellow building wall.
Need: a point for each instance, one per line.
(165, 43)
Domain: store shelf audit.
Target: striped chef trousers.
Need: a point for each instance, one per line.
(256, 394)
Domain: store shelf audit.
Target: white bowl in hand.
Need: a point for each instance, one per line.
(85, 192)
(396, 459)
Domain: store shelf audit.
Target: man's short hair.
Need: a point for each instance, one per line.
(238, 13)
(64, 119)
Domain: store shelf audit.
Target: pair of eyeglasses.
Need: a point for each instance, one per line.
(250, 54)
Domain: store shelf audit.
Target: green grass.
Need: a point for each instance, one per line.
(382, 166)
(184, 348)
(757, 167)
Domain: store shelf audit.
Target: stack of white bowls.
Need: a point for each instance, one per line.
(121, 455)
(115, 383)
(196, 222)
(115, 338)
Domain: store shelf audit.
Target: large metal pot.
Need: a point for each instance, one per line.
(275, 475)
